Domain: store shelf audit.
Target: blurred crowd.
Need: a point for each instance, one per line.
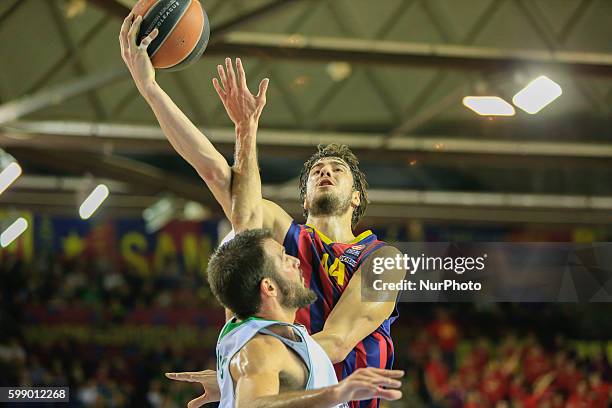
(449, 366)
(454, 355)
(98, 375)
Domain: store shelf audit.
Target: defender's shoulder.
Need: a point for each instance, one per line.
(262, 354)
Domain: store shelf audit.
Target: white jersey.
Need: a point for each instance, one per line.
(235, 335)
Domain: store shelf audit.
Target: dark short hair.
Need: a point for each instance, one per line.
(237, 268)
(359, 180)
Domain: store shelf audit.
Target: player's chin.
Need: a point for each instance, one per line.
(324, 190)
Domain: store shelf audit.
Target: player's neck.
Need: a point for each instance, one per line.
(336, 228)
(277, 313)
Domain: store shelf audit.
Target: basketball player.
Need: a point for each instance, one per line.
(355, 334)
(263, 359)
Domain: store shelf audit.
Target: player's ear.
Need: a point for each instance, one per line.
(268, 288)
(356, 199)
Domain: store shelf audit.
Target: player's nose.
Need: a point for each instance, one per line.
(326, 171)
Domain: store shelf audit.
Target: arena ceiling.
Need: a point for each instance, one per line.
(385, 77)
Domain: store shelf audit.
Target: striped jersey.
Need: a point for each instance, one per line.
(327, 267)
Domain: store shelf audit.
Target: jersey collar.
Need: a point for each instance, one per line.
(328, 241)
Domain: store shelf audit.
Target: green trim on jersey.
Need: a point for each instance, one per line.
(230, 325)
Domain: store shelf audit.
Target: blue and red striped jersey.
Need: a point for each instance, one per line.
(327, 268)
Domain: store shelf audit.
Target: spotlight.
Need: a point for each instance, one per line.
(488, 105)
(10, 170)
(13, 232)
(537, 94)
(93, 201)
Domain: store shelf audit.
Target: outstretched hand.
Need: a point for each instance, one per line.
(368, 383)
(135, 56)
(208, 380)
(242, 107)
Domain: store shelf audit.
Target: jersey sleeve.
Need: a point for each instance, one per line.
(292, 238)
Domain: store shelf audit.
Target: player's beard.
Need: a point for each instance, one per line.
(295, 295)
(329, 204)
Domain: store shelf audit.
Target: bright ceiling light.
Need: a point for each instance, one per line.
(488, 105)
(93, 201)
(9, 175)
(13, 231)
(537, 94)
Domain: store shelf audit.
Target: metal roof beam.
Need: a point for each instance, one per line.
(15, 109)
(468, 199)
(386, 205)
(35, 133)
(364, 51)
(135, 173)
(472, 207)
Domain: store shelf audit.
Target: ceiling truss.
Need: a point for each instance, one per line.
(100, 144)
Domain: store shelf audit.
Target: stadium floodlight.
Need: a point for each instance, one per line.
(93, 201)
(8, 175)
(13, 232)
(537, 94)
(488, 105)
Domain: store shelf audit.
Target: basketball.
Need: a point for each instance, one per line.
(183, 31)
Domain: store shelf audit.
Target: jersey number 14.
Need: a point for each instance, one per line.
(336, 269)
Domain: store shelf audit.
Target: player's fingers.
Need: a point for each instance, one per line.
(365, 386)
(127, 21)
(123, 33)
(223, 77)
(231, 76)
(263, 88)
(189, 377)
(380, 379)
(390, 395)
(385, 381)
(386, 373)
(131, 35)
(241, 75)
(198, 402)
(144, 44)
(218, 88)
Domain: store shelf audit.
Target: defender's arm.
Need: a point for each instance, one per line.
(256, 371)
(257, 368)
(249, 209)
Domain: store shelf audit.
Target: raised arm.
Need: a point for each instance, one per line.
(182, 134)
(353, 319)
(244, 110)
(249, 209)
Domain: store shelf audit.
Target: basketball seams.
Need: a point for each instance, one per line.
(201, 39)
(178, 21)
(167, 59)
(184, 31)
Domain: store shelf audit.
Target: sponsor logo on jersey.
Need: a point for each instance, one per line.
(349, 261)
(355, 250)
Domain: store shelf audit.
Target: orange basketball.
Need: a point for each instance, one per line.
(183, 31)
